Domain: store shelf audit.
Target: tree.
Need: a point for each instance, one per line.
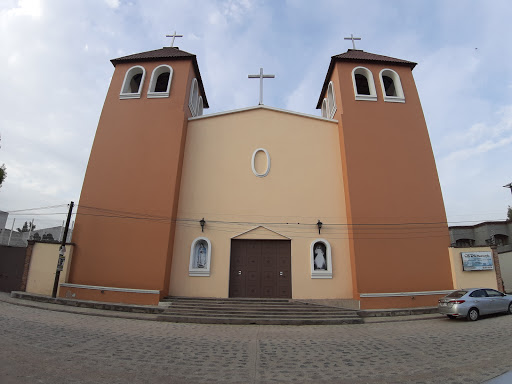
(27, 227)
(509, 213)
(36, 236)
(48, 237)
(3, 174)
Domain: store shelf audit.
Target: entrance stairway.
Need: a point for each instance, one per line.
(253, 311)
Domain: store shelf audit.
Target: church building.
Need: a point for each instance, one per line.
(261, 202)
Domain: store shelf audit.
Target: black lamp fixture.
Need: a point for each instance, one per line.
(202, 222)
(319, 224)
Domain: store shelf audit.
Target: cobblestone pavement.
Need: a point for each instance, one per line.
(41, 346)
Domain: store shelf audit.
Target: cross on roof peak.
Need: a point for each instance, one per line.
(352, 38)
(261, 76)
(174, 35)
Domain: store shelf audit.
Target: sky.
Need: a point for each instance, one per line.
(55, 71)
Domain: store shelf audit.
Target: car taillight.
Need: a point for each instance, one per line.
(457, 301)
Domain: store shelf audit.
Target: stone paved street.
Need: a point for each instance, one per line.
(42, 346)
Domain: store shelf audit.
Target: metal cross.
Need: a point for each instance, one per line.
(173, 37)
(261, 76)
(352, 38)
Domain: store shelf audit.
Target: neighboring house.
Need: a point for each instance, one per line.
(488, 233)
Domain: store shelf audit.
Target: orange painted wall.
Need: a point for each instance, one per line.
(390, 176)
(134, 168)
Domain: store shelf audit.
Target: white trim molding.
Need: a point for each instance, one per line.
(129, 75)
(111, 289)
(194, 97)
(254, 160)
(331, 101)
(261, 226)
(320, 273)
(193, 268)
(371, 84)
(399, 92)
(401, 294)
(160, 70)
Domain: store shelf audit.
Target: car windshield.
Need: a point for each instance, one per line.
(457, 294)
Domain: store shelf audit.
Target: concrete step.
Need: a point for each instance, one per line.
(259, 314)
(261, 308)
(253, 311)
(259, 320)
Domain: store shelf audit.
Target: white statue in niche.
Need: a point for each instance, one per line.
(320, 263)
(201, 256)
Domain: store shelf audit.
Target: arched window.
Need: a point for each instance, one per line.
(200, 257)
(331, 101)
(321, 260)
(364, 86)
(194, 97)
(160, 83)
(391, 86)
(324, 108)
(133, 82)
(200, 106)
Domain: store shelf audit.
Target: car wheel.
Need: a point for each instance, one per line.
(510, 308)
(451, 317)
(473, 314)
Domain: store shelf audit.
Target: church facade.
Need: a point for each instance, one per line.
(261, 202)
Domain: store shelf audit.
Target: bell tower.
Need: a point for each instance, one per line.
(124, 230)
(396, 222)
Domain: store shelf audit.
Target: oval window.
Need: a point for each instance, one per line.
(260, 162)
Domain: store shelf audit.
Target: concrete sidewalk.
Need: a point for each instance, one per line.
(151, 313)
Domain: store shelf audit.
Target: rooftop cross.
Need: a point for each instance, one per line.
(174, 35)
(352, 38)
(261, 76)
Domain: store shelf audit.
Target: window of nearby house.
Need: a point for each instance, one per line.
(194, 97)
(321, 260)
(133, 82)
(391, 86)
(331, 101)
(464, 243)
(160, 83)
(200, 257)
(364, 86)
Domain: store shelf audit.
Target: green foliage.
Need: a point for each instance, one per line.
(509, 213)
(48, 237)
(3, 174)
(36, 236)
(27, 227)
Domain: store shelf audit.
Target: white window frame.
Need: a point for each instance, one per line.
(194, 97)
(253, 162)
(331, 101)
(200, 271)
(154, 77)
(126, 83)
(316, 274)
(371, 84)
(199, 109)
(324, 108)
(399, 98)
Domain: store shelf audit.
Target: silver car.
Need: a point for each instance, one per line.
(473, 303)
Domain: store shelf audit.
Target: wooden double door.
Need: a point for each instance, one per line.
(260, 268)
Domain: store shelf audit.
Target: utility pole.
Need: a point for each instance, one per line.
(62, 251)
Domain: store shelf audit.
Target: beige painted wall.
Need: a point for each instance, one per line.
(304, 185)
(506, 270)
(470, 279)
(43, 265)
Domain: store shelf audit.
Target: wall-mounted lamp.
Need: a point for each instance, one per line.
(319, 224)
(202, 222)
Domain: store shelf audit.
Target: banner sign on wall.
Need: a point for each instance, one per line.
(477, 261)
